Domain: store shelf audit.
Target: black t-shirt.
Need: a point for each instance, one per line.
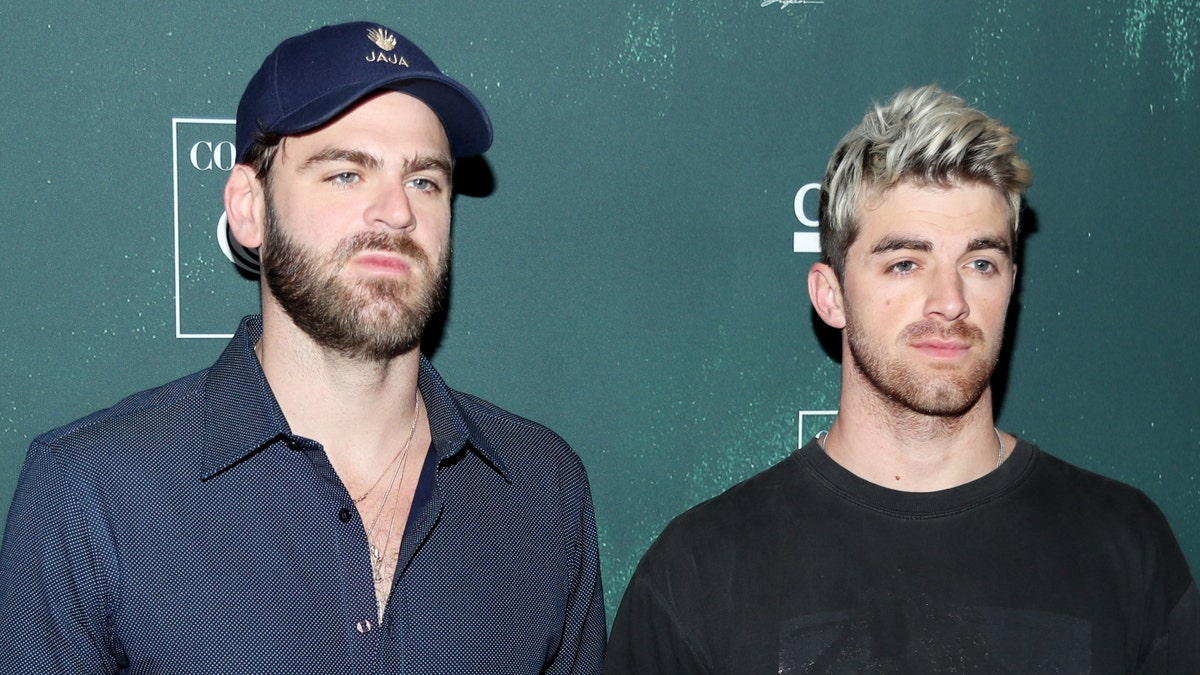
(1037, 567)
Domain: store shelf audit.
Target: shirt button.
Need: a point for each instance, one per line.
(344, 515)
(365, 626)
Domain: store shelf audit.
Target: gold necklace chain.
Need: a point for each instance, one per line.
(377, 553)
(411, 432)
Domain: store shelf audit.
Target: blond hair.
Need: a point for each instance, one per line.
(925, 136)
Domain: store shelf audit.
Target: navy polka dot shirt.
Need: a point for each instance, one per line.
(187, 530)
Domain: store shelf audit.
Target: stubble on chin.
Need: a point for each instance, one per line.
(906, 388)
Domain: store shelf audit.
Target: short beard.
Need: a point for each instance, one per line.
(923, 393)
(373, 320)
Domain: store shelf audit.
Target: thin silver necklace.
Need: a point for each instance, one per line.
(824, 434)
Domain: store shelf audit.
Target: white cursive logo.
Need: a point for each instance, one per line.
(785, 3)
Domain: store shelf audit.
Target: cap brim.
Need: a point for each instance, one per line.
(468, 127)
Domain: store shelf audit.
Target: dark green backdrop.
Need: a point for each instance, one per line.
(629, 278)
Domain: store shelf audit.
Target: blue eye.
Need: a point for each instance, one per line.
(423, 184)
(904, 266)
(344, 178)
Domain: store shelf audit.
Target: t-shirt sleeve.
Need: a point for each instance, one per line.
(1177, 652)
(650, 634)
(1172, 602)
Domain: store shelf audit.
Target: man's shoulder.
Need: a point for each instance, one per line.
(1107, 508)
(149, 414)
(765, 492)
(1088, 490)
(753, 509)
(1112, 520)
(494, 418)
(519, 440)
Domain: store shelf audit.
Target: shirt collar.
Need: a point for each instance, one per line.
(453, 428)
(241, 415)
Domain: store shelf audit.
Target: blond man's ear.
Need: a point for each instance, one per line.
(825, 292)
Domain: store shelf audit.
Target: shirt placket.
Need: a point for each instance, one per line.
(365, 638)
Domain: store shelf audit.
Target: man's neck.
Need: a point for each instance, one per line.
(358, 409)
(904, 450)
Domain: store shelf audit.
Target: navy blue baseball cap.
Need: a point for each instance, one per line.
(313, 78)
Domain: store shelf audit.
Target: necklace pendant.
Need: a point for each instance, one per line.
(376, 563)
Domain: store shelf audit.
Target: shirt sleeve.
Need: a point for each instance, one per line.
(1172, 601)
(1184, 628)
(582, 648)
(648, 637)
(53, 596)
(1177, 651)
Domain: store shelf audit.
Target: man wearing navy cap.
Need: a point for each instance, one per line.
(318, 501)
